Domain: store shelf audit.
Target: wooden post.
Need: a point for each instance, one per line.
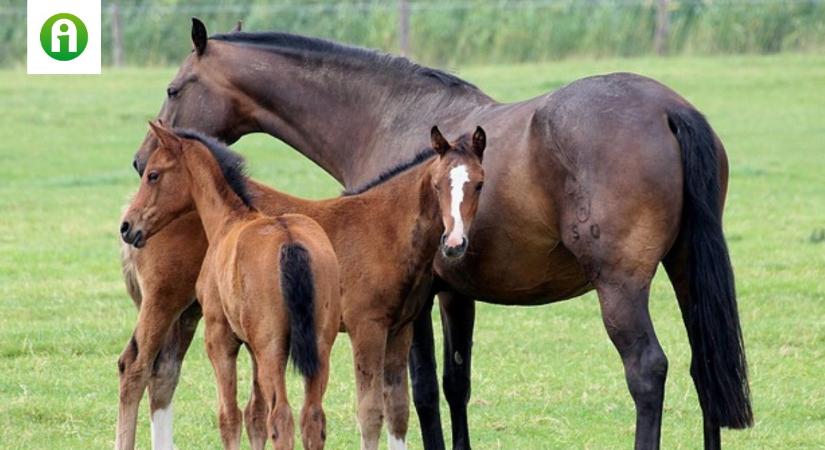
(404, 26)
(662, 24)
(117, 35)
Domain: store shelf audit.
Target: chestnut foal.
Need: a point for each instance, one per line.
(385, 235)
(269, 282)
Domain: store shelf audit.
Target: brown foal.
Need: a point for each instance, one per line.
(271, 283)
(385, 234)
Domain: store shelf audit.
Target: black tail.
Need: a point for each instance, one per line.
(298, 288)
(718, 368)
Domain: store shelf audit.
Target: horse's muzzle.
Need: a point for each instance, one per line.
(452, 252)
(130, 236)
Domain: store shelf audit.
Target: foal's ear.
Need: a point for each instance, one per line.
(199, 36)
(167, 138)
(237, 27)
(479, 142)
(440, 145)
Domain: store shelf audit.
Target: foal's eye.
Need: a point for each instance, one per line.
(172, 92)
(153, 177)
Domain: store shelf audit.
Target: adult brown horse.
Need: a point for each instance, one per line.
(593, 186)
(269, 282)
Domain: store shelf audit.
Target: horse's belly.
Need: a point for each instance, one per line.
(515, 267)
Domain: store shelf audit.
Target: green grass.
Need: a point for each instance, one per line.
(544, 377)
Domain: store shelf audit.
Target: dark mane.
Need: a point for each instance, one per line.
(231, 163)
(285, 43)
(386, 175)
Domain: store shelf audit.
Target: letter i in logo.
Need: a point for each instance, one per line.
(63, 36)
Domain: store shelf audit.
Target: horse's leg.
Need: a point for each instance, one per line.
(313, 419)
(369, 340)
(457, 321)
(396, 397)
(159, 309)
(425, 380)
(676, 265)
(624, 304)
(272, 361)
(165, 375)
(256, 411)
(222, 348)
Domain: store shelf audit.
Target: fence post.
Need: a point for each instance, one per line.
(662, 24)
(404, 26)
(117, 35)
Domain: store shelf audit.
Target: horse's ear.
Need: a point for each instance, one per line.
(479, 142)
(199, 36)
(440, 145)
(237, 27)
(167, 138)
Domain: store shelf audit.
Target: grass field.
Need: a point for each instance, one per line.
(543, 377)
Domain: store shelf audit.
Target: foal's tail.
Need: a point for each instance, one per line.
(298, 288)
(718, 367)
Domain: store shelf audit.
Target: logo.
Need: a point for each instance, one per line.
(64, 37)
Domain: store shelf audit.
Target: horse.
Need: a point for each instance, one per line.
(589, 187)
(385, 234)
(271, 283)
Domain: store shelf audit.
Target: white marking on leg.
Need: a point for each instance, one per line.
(458, 178)
(162, 428)
(395, 443)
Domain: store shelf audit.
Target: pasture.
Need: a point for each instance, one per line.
(545, 377)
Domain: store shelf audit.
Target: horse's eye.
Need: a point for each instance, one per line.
(172, 92)
(479, 186)
(153, 177)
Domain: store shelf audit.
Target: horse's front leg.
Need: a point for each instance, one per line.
(425, 380)
(166, 373)
(369, 341)
(457, 321)
(396, 396)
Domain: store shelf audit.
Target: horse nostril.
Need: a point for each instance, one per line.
(463, 243)
(443, 239)
(124, 228)
(134, 164)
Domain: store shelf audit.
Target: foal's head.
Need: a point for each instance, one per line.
(457, 178)
(166, 188)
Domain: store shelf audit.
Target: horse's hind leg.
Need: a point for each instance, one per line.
(222, 347)
(165, 375)
(676, 265)
(256, 411)
(313, 419)
(272, 359)
(624, 304)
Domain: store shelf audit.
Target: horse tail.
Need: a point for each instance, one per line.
(718, 365)
(298, 289)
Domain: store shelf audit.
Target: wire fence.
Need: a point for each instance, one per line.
(147, 32)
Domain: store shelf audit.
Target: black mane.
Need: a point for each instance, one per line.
(287, 43)
(231, 163)
(424, 155)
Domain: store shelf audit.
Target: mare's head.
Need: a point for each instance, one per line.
(457, 178)
(200, 96)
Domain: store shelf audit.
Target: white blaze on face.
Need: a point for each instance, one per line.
(458, 178)
(162, 429)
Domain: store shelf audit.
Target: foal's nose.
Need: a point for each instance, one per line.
(451, 250)
(125, 227)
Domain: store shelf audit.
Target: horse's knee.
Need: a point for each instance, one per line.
(128, 356)
(457, 386)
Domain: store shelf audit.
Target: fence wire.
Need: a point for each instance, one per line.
(461, 31)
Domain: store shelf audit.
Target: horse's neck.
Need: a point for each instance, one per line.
(217, 205)
(351, 122)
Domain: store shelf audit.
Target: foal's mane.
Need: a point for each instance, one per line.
(232, 164)
(302, 46)
(422, 156)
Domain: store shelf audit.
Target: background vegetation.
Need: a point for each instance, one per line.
(461, 31)
(544, 377)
